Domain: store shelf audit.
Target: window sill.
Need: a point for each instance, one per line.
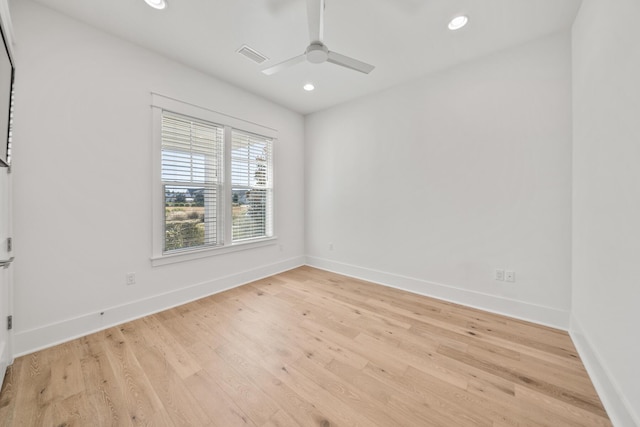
(189, 255)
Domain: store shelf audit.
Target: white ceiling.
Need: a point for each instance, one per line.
(404, 39)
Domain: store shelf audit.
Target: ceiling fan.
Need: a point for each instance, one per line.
(317, 52)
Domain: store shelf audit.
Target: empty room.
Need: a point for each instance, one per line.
(319, 213)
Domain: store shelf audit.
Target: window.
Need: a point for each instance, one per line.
(192, 182)
(251, 185)
(214, 182)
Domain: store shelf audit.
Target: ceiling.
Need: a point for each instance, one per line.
(404, 39)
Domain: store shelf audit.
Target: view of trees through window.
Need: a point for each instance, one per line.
(184, 217)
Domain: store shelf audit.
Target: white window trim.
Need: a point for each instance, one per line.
(158, 104)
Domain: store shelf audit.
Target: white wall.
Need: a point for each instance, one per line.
(82, 175)
(606, 201)
(432, 185)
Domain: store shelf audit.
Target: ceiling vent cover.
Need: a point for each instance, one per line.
(252, 54)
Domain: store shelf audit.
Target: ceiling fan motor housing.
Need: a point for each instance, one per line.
(317, 53)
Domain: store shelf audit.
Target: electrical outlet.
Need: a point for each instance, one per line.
(499, 274)
(330, 246)
(510, 276)
(131, 279)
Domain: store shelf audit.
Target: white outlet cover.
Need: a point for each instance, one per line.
(499, 274)
(131, 278)
(510, 276)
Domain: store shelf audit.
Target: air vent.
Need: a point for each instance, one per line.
(252, 54)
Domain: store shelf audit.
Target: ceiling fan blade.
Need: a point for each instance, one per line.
(345, 61)
(284, 65)
(315, 15)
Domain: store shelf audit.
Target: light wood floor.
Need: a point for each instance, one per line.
(308, 348)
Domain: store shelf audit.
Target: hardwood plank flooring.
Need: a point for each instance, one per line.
(308, 348)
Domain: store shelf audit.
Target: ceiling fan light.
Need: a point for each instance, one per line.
(308, 87)
(458, 22)
(157, 4)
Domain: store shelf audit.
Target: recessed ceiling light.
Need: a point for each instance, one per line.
(157, 4)
(308, 87)
(458, 22)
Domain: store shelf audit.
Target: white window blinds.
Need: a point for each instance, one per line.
(192, 170)
(252, 186)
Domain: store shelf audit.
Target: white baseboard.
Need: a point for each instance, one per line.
(518, 309)
(26, 342)
(620, 411)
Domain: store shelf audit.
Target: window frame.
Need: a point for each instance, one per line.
(160, 103)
